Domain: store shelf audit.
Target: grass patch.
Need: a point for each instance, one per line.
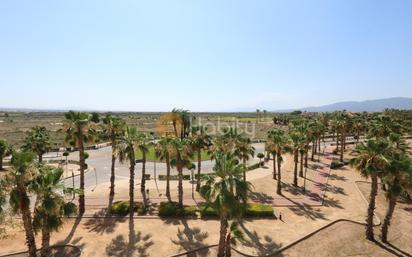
(151, 156)
(172, 209)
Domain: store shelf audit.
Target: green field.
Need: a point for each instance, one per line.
(150, 156)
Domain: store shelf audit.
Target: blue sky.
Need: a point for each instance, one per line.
(202, 55)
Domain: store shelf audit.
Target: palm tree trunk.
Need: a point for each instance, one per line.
(169, 198)
(27, 220)
(337, 141)
(371, 208)
(131, 185)
(319, 145)
(223, 232)
(112, 172)
(279, 186)
(274, 165)
(387, 221)
(313, 151)
(306, 158)
(245, 168)
(301, 164)
(1, 162)
(342, 146)
(143, 182)
(45, 240)
(295, 170)
(199, 163)
(228, 252)
(180, 174)
(82, 207)
(40, 157)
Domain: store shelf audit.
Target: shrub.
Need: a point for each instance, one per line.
(259, 210)
(147, 176)
(254, 166)
(336, 164)
(207, 211)
(252, 210)
(172, 209)
(122, 208)
(173, 177)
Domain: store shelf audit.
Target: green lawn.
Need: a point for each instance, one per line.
(150, 156)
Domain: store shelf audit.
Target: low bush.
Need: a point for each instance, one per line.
(173, 177)
(122, 208)
(255, 210)
(336, 164)
(172, 209)
(254, 166)
(259, 210)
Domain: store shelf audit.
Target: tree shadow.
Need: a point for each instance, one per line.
(190, 239)
(332, 188)
(332, 202)
(392, 251)
(292, 189)
(261, 197)
(137, 242)
(69, 236)
(102, 223)
(307, 211)
(263, 245)
(336, 177)
(399, 250)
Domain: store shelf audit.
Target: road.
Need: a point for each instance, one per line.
(99, 162)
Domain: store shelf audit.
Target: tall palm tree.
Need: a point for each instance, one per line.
(226, 191)
(181, 120)
(126, 146)
(113, 127)
(371, 161)
(164, 151)
(38, 141)
(5, 150)
(200, 141)
(181, 158)
(50, 204)
(22, 172)
(244, 150)
(397, 176)
(143, 145)
(80, 131)
(295, 139)
(277, 143)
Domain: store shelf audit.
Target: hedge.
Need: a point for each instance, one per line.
(253, 210)
(122, 208)
(172, 209)
(254, 166)
(174, 177)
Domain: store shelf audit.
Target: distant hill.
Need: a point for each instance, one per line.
(378, 105)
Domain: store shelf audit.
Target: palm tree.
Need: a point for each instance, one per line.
(296, 139)
(143, 145)
(126, 146)
(277, 143)
(79, 131)
(164, 151)
(5, 150)
(50, 204)
(181, 158)
(398, 176)
(38, 141)
(371, 161)
(200, 141)
(22, 172)
(244, 150)
(257, 115)
(226, 192)
(181, 122)
(113, 127)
